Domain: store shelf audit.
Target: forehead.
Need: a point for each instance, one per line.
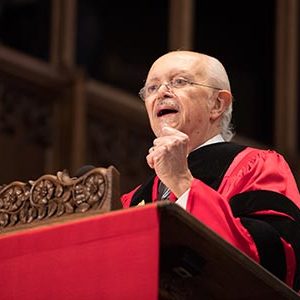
(174, 63)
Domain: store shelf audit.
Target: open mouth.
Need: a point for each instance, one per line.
(166, 111)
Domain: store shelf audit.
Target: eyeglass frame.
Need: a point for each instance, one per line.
(172, 84)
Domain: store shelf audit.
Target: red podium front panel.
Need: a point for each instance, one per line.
(111, 256)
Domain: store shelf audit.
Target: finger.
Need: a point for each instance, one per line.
(150, 161)
(164, 140)
(151, 149)
(157, 156)
(167, 130)
(174, 139)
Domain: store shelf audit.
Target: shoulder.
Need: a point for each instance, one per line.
(253, 159)
(257, 169)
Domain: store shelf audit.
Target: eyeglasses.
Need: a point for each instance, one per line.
(176, 82)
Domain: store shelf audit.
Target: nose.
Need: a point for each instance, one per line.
(164, 90)
(165, 85)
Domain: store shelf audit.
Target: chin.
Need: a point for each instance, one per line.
(157, 127)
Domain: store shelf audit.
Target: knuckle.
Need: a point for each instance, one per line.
(185, 139)
(155, 142)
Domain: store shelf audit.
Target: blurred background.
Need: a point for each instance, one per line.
(70, 72)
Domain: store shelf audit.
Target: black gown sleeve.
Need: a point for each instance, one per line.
(267, 230)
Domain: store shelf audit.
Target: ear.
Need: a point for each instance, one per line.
(221, 103)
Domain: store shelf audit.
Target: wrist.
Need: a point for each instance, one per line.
(182, 184)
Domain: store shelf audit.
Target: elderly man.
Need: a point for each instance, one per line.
(248, 196)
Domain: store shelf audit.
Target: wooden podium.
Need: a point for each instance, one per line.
(157, 251)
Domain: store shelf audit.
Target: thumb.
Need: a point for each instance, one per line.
(167, 130)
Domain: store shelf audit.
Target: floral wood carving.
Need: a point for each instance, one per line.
(54, 196)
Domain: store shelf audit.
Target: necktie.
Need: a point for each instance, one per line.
(163, 191)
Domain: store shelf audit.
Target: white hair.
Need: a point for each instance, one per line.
(217, 76)
(226, 125)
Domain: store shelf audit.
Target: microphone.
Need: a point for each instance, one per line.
(83, 170)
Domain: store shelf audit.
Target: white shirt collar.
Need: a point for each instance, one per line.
(216, 139)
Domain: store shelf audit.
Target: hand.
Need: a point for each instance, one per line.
(168, 157)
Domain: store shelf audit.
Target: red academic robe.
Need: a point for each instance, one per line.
(255, 208)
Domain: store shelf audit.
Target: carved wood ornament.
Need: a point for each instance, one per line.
(53, 196)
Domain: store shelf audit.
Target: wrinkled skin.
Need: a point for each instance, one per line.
(194, 116)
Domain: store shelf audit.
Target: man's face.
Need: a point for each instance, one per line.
(186, 109)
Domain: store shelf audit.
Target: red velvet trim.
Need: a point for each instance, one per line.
(155, 189)
(290, 262)
(271, 212)
(126, 198)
